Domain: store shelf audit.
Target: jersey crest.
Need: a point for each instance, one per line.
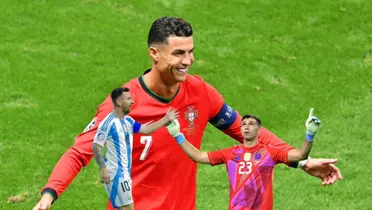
(190, 115)
(247, 156)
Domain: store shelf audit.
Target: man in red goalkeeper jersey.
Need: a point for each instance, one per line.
(163, 176)
(250, 165)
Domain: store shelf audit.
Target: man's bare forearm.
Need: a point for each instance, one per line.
(300, 154)
(148, 129)
(195, 154)
(97, 150)
(305, 149)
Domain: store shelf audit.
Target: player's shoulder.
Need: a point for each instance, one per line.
(132, 84)
(108, 118)
(227, 150)
(133, 88)
(195, 81)
(129, 118)
(234, 152)
(107, 121)
(264, 146)
(270, 148)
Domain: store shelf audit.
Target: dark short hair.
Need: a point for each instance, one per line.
(246, 116)
(117, 92)
(164, 27)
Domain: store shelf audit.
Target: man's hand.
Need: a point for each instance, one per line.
(172, 114)
(312, 125)
(323, 169)
(45, 202)
(105, 176)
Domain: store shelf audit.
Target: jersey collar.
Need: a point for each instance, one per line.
(248, 149)
(151, 93)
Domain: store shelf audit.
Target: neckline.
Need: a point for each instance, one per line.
(251, 148)
(151, 93)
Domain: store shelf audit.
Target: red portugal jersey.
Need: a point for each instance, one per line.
(250, 172)
(164, 177)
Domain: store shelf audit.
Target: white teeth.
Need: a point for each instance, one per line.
(182, 70)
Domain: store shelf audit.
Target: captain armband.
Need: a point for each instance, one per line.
(225, 117)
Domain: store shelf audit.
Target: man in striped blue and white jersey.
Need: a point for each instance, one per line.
(116, 130)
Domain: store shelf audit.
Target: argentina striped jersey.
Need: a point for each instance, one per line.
(118, 136)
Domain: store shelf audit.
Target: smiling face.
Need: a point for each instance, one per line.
(174, 58)
(171, 47)
(250, 128)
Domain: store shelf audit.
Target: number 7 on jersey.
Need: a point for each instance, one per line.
(147, 140)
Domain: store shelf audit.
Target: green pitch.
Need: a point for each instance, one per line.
(275, 59)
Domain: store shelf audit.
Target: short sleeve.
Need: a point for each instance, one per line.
(135, 125)
(103, 131)
(218, 157)
(216, 100)
(221, 115)
(279, 155)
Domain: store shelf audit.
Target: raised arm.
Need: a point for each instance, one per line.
(150, 128)
(324, 169)
(312, 124)
(300, 154)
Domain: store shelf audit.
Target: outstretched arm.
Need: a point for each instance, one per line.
(73, 160)
(212, 158)
(228, 120)
(150, 128)
(312, 125)
(195, 154)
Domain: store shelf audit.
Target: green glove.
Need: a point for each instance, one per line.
(174, 130)
(312, 125)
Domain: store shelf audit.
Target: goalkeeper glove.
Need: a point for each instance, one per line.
(174, 130)
(312, 125)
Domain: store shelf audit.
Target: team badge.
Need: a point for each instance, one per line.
(257, 156)
(129, 197)
(247, 156)
(237, 158)
(101, 136)
(190, 115)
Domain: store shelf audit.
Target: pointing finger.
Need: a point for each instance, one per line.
(311, 113)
